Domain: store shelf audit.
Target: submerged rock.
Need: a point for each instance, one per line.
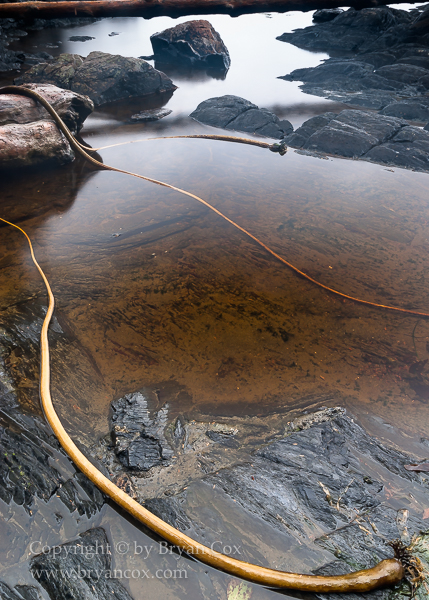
(233, 112)
(28, 134)
(152, 114)
(195, 44)
(101, 76)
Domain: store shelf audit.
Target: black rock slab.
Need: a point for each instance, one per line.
(238, 114)
(323, 487)
(80, 570)
(101, 76)
(138, 438)
(194, 43)
(351, 134)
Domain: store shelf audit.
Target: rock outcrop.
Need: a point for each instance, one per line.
(367, 136)
(238, 114)
(385, 59)
(101, 76)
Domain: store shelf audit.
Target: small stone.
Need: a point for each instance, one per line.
(153, 114)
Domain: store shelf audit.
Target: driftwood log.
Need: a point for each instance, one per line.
(172, 8)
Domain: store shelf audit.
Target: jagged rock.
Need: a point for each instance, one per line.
(80, 570)
(138, 439)
(101, 76)
(233, 112)
(195, 43)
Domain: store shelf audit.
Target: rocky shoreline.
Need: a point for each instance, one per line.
(313, 492)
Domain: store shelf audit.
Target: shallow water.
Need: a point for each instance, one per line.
(158, 292)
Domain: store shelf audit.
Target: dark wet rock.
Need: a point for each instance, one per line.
(24, 592)
(138, 439)
(81, 38)
(28, 592)
(368, 136)
(80, 569)
(28, 135)
(351, 134)
(299, 137)
(27, 472)
(426, 127)
(412, 110)
(152, 114)
(233, 112)
(73, 108)
(408, 149)
(195, 43)
(324, 15)
(404, 73)
(322, 487)
(103, 77)
(350, 31)
(385, 57)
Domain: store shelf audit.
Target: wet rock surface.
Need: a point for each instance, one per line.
(80, 569)
(238, 114)
(367, 136)
(101, 76)
(195, 44)
(138, 439)
(325, 481)
(28, 134)
(381, 60)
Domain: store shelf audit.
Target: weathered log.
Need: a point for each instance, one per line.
(173, 8)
